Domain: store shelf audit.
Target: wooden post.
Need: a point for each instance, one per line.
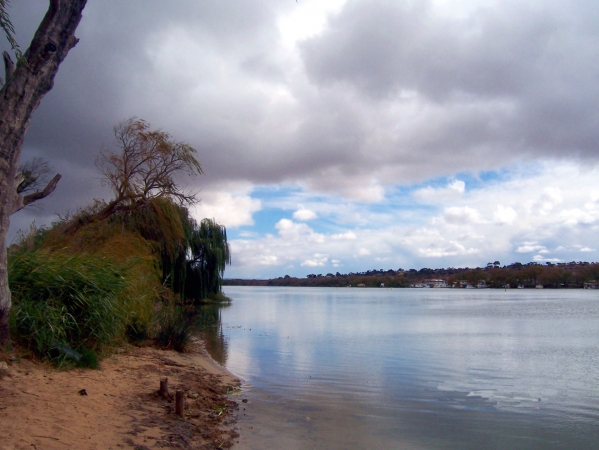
(180, 404)
(164, 388)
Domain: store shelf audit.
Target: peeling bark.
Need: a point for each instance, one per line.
(25, 86)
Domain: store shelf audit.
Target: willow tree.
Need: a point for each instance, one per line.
(208, 255)
(25, 84)
(192, 255)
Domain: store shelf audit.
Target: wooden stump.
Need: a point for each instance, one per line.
(164, 388)
(180, 404)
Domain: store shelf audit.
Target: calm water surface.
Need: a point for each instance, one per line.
(342, 368)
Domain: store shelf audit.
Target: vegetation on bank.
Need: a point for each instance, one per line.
(549, 275)
(133, 268)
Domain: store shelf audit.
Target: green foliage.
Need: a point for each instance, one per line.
(7, 27)
(65, 299)
(209, 256)
(88, 359)
(192, 256)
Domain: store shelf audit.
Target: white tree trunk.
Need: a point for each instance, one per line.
(26, 84)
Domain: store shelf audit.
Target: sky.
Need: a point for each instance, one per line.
(344, 135)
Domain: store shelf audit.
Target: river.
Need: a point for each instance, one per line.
(356, 368)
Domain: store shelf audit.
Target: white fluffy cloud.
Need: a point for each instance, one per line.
(228, 209)
(304, 215)
(529, 247)
(504, 215)
(317, 260)
(492, 221)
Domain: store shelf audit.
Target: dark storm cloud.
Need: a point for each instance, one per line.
(542, 58)
(387, 93)
(93, 89)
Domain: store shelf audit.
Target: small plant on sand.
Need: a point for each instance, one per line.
(88, 359)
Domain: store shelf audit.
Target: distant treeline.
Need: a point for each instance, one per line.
(549, 275)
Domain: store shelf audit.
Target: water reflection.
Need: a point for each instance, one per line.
(212, 331)
(444, 369)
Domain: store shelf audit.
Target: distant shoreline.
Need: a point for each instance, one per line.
(573, 275)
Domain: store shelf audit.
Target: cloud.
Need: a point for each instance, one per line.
(291, 231)
(529, 247)
(452, 191)
(445, 248)
(347, 236)
(317, 260)
(550, 198)
(541, 258)
(578, 216)
(304, 215)
(575, 248)
(431, 133)
(504, 215)
(461, 215)
(228, 209)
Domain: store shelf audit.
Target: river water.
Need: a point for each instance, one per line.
(355, 368)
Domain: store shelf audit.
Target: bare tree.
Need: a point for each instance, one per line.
(25, 85)
(144, 168)
(146, 164)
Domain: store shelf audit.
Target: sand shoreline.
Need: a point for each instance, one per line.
(45, 408)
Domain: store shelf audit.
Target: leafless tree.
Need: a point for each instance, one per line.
(146, 164)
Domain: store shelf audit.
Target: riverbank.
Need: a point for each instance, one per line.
(117, 406)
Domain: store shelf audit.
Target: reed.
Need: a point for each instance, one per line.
(66, 301)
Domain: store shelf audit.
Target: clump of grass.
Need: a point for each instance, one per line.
(88, 359)
(176, 325)
(72, 299)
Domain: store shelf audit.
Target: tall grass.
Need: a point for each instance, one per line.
(66, 301)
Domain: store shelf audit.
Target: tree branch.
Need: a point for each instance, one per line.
(30, 198)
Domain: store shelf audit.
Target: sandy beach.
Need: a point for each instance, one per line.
(117, 406)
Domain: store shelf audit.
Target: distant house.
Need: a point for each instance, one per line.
(539, 286)
(382, 285)
(437, 284)
(361, 285)
(591, 285)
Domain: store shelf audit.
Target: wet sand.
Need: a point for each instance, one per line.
(117, 406)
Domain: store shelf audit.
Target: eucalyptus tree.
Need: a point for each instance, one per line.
(25, 84)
